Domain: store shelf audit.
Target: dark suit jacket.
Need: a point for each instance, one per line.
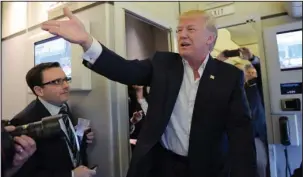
(220, 106)
(256, 63)
(257, 110)
(51, 158)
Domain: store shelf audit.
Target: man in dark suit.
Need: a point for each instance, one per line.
(255, 102)
(55, 157)
(193, 100)
(247, 55)
(254, 98)
(255, 61)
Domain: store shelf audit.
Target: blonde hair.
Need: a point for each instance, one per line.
(210, 22)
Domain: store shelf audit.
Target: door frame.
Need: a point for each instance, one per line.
(119, 12)
(121, 9)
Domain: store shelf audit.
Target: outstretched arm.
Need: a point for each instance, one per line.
(97, 57)
(107, 63)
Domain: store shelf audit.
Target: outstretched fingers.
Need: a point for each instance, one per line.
(68, 13)
(54, 30)
(52, 26)
(52, 23)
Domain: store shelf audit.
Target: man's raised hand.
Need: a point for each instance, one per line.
(71, 30)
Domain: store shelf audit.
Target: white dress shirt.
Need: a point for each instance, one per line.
(144, 105)
(54, 110)
(176, 135)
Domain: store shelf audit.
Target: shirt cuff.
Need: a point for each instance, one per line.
(93, 53)
(254, 59)
(73, 175)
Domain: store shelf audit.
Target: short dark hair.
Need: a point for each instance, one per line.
(34, 76)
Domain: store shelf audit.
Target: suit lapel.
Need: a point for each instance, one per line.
(41, 110)
(204, 93)
(174, 82)
(206, 82)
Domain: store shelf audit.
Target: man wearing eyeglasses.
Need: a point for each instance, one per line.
(54, 156)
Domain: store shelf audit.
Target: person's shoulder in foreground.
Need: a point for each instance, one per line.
(25, 115)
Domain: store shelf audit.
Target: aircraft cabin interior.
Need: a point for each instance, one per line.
(263, 39)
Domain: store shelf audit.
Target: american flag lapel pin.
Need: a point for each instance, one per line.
(212, 77)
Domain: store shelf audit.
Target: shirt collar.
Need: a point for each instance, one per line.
(52, 109)
(201, 68)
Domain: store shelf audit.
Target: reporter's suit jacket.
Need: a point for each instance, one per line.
(51, 158)
(220, 106)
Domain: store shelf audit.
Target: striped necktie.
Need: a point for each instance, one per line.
(71, 139)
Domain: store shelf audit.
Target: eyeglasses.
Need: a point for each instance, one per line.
(58, 81)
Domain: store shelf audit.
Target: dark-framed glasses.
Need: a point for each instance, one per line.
(59, 81)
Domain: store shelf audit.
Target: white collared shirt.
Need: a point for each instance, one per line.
(176, 135)
(54, 110)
